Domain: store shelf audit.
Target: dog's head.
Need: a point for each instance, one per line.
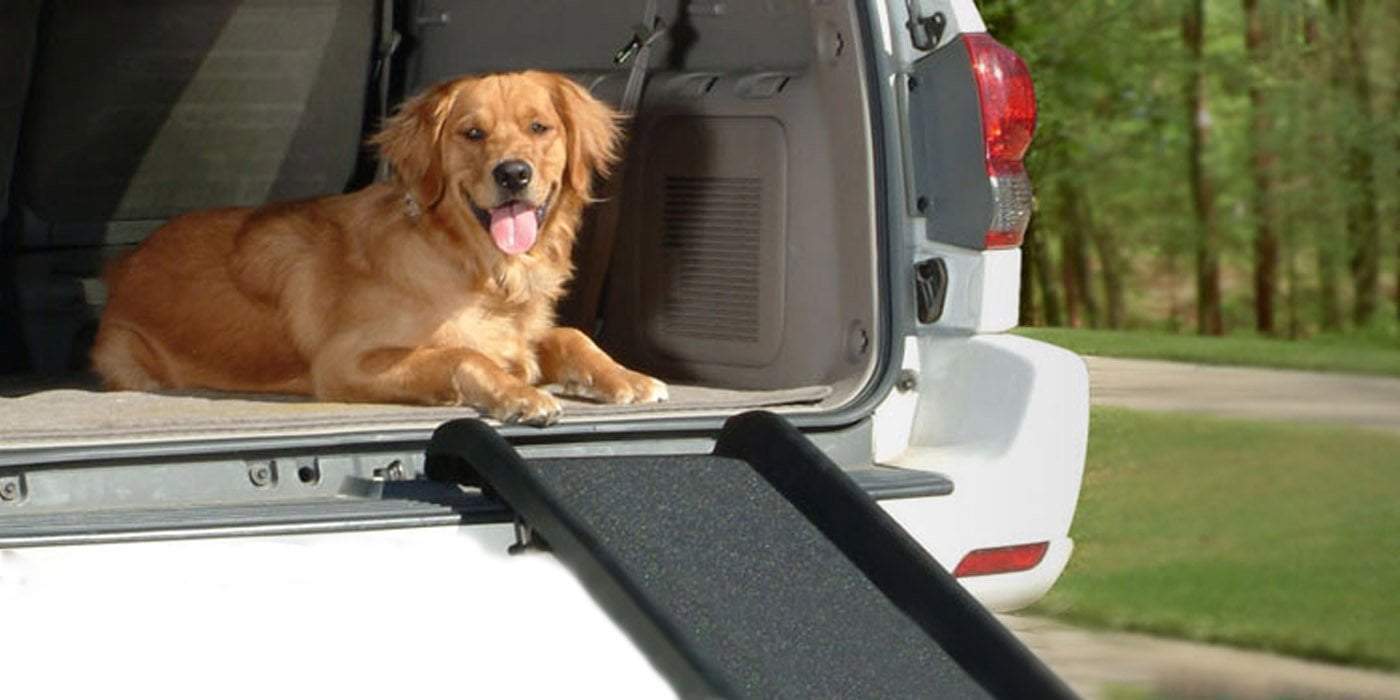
(502, 150)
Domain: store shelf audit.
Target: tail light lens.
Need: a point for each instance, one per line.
(1007, 98)
(1001, 560)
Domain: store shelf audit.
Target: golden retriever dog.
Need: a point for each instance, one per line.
(437, 288)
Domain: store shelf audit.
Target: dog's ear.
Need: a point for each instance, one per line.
(593, 132)
(411, 141)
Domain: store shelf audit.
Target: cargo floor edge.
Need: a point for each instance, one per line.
(758, 571)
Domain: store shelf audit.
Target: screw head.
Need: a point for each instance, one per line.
(260, 475)
(393, 471)
(9, 491)
(907, 381)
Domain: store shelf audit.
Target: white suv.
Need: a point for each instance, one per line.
(820, 217)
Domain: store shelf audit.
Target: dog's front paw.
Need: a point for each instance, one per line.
(625, 386)
(652, 389)
(526, 404)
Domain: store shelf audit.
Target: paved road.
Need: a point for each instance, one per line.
(1102, 664)
(1270, 394)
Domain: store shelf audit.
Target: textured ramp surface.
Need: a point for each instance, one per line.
(771, 607)
(58, 417)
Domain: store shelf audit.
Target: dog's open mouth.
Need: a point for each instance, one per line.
(513, 225)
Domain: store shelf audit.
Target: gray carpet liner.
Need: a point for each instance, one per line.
(67, 416)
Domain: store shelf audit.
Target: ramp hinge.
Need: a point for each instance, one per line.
(526, 539)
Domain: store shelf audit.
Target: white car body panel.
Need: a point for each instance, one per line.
(1006, 419)
(419, 612)
(983, 289)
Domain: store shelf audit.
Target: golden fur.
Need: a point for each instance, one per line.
(394, 293)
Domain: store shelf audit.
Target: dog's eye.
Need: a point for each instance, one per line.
(474, 134)
(538, 127)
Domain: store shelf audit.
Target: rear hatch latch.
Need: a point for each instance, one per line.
(931, 288)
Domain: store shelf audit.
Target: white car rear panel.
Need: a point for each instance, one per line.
(420, 612)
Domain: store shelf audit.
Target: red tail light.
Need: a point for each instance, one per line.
(1001, 560)
(1007, 97)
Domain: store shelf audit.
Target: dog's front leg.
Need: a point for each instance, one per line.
(435, 376)
(571, 360)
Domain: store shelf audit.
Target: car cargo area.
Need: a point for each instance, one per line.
(743, 268)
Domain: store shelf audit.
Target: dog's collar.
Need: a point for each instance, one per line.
(410, 206)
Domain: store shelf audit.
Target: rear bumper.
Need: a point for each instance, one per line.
(1013, 591)
(1006, 419)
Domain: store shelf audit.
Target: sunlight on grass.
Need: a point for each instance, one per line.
(1357, 355)
(1280, 537)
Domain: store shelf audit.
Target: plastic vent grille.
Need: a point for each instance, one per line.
(710, 249)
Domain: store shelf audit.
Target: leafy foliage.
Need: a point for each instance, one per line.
(1110, 159)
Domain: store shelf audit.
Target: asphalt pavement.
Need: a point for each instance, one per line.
(1246, 392)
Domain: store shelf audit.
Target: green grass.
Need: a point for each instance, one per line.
(1278, 537)
(1352, 354)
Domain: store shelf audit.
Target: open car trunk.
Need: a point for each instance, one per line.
(744, 271)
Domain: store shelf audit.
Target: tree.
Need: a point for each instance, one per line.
(1037, 280)
(1110, 263)
(1026, 308)
(1209, 317)
(1362, 215)
(1074, 256)
(1039, 260)
(1262, 159)
(1329, 295)
(1288, 187)
(1395, 138)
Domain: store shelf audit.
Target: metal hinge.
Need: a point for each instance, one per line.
(925, 28)
(526, 539)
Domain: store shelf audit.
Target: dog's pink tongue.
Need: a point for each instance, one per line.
(513, 227)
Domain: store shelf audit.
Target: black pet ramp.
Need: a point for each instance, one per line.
(759, 571)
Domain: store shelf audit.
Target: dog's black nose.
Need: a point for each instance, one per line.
(512, 175)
